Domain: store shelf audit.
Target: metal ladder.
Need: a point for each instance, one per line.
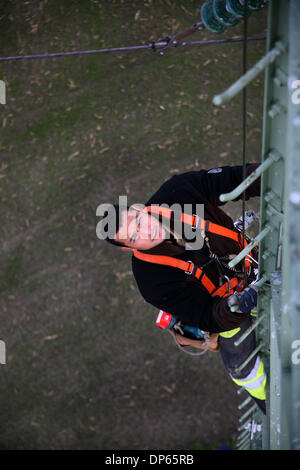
(277, 323)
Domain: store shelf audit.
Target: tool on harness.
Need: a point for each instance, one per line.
(204, 340)
(167, 321)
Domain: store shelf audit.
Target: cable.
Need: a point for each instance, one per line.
(151, 46)
(244, 122)
(191, 353)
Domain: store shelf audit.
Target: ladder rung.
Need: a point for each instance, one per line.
(244, 403)
(249, 330)
(245, 439)
(247, 413)
(251, 245)
(272, 156)
(254, 352)
(252, 73)
(244, 426)
(244, 445)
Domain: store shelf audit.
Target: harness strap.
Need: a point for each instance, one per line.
(206, 225)
(189, 268)
(223, 290)
(210, 227)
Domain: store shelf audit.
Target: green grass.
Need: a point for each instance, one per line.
(11, 269)
(76, 132)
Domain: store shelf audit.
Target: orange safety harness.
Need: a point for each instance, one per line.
(189, 267)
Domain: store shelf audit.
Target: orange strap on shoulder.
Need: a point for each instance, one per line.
(195, 222)
(188, 266)
(210, 227)
(169, 214)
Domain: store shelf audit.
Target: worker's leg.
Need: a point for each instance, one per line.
(252, 377)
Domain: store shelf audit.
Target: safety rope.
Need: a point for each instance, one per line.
(192, 353)
(244, 123)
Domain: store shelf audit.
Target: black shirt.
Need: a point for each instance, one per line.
(168, 288)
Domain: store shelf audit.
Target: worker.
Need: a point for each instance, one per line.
(195, 285)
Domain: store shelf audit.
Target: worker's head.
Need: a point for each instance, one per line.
(132, 227)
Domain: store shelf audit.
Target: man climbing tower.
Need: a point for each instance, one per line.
(195, 286)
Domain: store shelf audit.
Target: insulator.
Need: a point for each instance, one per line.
(208, 19)
(221, 14)
(217, 15)
(236, 8)
(255, 5)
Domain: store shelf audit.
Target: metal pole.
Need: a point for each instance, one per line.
(249, 330)
(248, 412)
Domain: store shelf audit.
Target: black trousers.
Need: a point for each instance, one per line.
(234, 356)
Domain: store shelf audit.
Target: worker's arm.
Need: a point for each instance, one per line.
(195, 307)
(184, 341)
(205, 186)
(212, 183)
(165, 288)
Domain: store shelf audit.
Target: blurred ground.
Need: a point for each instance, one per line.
(86, 366)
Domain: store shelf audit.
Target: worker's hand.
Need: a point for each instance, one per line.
(245, 301)
(184, 341)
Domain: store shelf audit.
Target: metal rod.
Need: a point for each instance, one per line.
(254, 352)
(251, 245)
(261, 281)
(220, 41)
(243, 81)
(244, 403)
(153, 45)
(248, 412)
(245, 429)
(249, 330)
(271, 211)
(244, 446)
(244, 426)
(273, 156)
(241, 437)
(245, 438)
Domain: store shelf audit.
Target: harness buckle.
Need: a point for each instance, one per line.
(228, 283)
(193, 267)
